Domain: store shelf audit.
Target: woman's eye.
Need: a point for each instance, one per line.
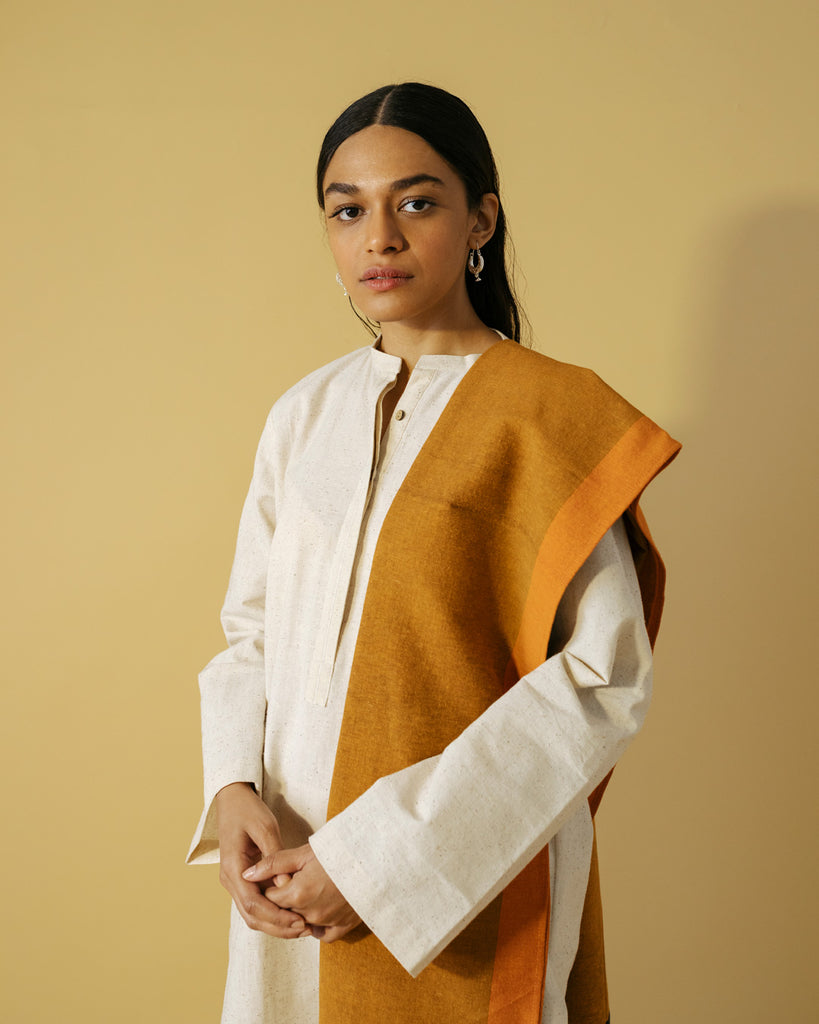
(416, 205)
(346, 213)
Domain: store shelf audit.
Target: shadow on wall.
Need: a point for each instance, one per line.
(746, 486)
(737, 518)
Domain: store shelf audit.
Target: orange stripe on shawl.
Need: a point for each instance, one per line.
(570, 539)
(581, 522)
(528, 466)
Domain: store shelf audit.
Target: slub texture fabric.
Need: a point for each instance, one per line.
(420, 580)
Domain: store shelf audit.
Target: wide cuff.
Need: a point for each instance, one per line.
(204, 847)
(413, 941)
(233, 722)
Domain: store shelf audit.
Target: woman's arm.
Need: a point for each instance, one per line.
(237, 827)
(232, 685)
(424, 850)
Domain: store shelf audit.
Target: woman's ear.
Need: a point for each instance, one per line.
(485, 219)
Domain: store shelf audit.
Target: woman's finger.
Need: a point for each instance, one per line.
(261, 914)
(283, 862)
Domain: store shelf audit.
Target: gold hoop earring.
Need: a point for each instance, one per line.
(475, 263)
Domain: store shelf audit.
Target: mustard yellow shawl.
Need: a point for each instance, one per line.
(530, 463)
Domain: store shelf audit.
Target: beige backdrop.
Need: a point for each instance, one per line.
(165, 278)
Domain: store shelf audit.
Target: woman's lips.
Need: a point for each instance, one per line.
(382, 279)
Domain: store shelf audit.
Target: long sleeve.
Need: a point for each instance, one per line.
(232, 685)
(421, 852)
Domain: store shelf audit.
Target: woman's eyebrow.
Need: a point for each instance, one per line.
(345, 188)
(416, 179)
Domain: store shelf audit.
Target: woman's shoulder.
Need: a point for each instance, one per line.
(333, 374)
(539, 378)
(328, 381)
(295, 413)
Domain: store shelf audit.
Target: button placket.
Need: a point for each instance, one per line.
(418, 383)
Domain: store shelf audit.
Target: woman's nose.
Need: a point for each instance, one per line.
(385, 235)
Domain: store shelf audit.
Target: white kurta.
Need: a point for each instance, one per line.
(423, 851)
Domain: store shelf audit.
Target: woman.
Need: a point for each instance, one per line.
(439, 620)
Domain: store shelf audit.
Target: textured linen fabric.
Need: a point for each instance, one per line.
(272, 702)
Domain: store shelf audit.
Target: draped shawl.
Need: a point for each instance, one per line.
(530, 463)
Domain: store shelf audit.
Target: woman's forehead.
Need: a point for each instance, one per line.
(380, 155)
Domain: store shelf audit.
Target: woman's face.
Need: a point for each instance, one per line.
(400, 228)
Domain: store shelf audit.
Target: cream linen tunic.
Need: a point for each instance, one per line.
(423, 851)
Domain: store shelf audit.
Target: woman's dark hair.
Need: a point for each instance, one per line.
(449, 126)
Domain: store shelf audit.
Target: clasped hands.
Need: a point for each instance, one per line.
(303, 887)
(284, 893)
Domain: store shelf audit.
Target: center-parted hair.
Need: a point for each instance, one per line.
(446, 124)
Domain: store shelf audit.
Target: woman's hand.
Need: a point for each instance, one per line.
(302, 884)
(248, 830)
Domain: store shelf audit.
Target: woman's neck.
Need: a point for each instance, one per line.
(410, 343)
